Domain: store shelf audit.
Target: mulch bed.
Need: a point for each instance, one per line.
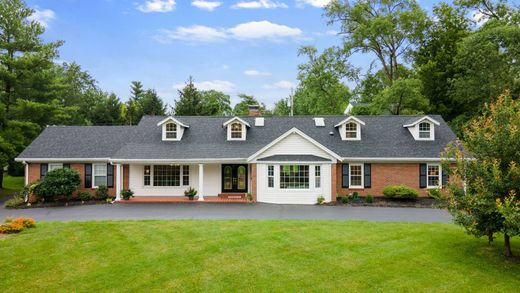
(59, 204)
(397, 203)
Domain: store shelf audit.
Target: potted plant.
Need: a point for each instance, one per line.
(127, 194)
(190, 193)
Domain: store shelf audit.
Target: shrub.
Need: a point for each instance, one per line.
(369, 199)
(400, 191)
(344, 199)
(84, 196)
(355, 195)
(434, 193)
(102, 192)
(320, 199)
(127, 194)
(339, 198)
(249, 197)
(58, 183)
(190, 193)
(17, 200)
(17, 225)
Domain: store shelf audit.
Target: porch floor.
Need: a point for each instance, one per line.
(207, 199)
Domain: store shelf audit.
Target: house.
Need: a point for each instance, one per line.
(285, 160)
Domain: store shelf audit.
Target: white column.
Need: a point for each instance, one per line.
(26, 179)
(201, 182)
(118, 181)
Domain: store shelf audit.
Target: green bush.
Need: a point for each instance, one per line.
(102, 192)
(58, 183)
(344, 199)
(434, 193)
(190, 193)
(127, 194)
(17, 200)
(84, 196)
(400, 191)
(369, 199)
(320, 199)
(339, 198)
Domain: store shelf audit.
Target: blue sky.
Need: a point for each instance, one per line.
(238, 46)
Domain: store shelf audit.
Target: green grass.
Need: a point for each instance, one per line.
(11, 185)
(245, 256)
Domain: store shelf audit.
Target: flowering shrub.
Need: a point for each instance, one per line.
(16, 225)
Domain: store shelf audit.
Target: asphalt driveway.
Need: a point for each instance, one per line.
(177, 211)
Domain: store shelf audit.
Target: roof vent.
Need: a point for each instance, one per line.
(320, 122)
(259, 121)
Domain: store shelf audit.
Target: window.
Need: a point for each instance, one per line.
(100, 174)
(424, 130)
(433, 176)
(294, 177)
(147, 175)
(54, 166)
(165, 175)
(171, 130)
(270, 176)
(317, 176)
(351, 130)
(236, 130)
(356, 175)
(185, 175)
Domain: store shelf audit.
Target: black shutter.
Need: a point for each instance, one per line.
(110, 175)
(43, 170)
(422, 175)
(66, 166)
(344, 175)
(88, 175)
(368, 175)
(445, 178)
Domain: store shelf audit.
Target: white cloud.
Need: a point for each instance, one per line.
(206, 5)
(259, 4)
(253, 30)
(157, 6)
(332, 33)
(253, 72)
(44, 17)
(315, 3)
(282, 84)
(219, 85)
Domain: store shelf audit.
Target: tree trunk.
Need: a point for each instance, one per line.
(2, 178)
(507, 246)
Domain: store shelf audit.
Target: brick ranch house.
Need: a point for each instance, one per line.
(285, 160)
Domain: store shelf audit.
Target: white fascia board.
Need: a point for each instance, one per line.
(348, 119)
(238, 119)
(287, 133)
(421, 120)
(383, 160)
(292, 162)
(59, 160)
(170, 118)
(178, 161)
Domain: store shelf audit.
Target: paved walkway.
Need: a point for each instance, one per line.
(140, 211)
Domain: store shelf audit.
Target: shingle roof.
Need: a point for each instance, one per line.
(295, 158)
(381, 137)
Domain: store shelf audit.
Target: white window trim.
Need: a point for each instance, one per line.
(317, 177)
(178, 131)
(274, 176)
(295, 189)
(428, 186)
(58, 166)
(432, 132)
(350, 185)
(358, 131)
(181, 184)
(243, 131)
(94, 175)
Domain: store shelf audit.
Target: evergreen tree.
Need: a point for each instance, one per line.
(190, 100)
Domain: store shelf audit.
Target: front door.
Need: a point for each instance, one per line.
(234, 178)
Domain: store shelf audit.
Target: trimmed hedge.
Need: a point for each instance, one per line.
(400, 191)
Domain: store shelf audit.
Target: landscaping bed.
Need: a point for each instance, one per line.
(58, 204)
(421, 202)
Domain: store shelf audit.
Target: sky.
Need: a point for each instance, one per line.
(235, 46)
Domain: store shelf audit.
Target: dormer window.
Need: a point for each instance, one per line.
(236, 130)
(351, 130)
(171, 130)
(424, 130)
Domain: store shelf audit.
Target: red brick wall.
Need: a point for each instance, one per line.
(384, 174)
(253, 181)
(126, 177)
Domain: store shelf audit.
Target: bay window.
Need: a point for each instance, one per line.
(294, 177)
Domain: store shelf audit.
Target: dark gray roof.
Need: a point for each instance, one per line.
(295, 158)
(381, 137)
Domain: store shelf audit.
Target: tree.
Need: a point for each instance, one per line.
(215, 103)
(190, 100)
(404, 96)
(151, 103)
(282, 108)
(106, 109)
(488, 9)
(321, 90)
(133, 111)
(491, 203)
(242, 107)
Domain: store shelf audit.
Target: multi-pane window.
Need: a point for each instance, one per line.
(100, 174)
(317, 176)
(351, 130)
(424, 130)
(54, 166)
(356, 175)
(270, 176)
(147, 175)
(166, 175)
(185, 175)
(294, 176)
(171, 130)
(433, 175)
(236, 130)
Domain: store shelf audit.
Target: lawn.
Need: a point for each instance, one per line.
(246, 256)
(11, 185)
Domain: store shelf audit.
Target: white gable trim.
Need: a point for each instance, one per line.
(348, 119)
(293, 130)
(421, 120)
(170, 118)
(233, 119)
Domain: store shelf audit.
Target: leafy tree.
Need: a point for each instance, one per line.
(151, 103)
(494, 10)
(215, 103)
(242, 107)
(58, 183)
(404, 96)
(282, 108)
(190, 100)
(490, 204)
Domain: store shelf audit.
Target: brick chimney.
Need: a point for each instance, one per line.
(254, 110)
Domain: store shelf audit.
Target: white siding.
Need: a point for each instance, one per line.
(294, 144)
(294, 196)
